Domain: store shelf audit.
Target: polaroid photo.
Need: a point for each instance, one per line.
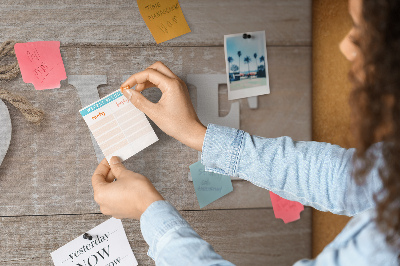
(246, 64)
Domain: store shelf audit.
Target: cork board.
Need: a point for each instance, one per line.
(331, 89)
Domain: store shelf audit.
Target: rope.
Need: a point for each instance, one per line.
(11, 71)
(31, 113)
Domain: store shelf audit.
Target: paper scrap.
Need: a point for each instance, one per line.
(118, 126)
(164, 18)
(284, 209)
(209, 186)
(109, 246)
(41, 64)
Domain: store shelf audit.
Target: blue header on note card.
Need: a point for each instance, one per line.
(101, 103)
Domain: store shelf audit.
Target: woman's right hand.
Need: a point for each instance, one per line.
(174, 113)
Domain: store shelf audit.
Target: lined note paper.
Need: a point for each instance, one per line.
(118, 126)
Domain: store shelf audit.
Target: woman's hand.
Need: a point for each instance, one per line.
(174, 113)
(127, 197)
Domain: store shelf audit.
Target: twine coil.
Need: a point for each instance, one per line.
(8, 71)
(11, 71)
(31, 113)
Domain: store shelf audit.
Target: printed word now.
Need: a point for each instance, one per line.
(95, 258)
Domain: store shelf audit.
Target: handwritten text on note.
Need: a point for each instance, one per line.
(164, 18)
(284, 209)
(209, 186)
(118, 126)
(41, 63)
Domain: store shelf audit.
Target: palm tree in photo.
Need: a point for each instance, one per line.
(255, 60)
(234, 68)
(230, 60)
(247, 60)
(239, 55)
(262, 59)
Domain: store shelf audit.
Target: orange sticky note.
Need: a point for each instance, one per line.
(284, 209)
(41, 64)
(164, 18)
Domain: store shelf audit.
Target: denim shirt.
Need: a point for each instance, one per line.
(312, 173)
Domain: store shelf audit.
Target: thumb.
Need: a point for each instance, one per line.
(116, 166)
(138, 100)
(99, 176)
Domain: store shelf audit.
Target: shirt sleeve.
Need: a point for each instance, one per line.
(172, 241)
(313, 173)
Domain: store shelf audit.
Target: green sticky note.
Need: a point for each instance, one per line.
(209, 186)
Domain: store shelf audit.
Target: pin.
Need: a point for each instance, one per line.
(246, 36)
(87, 236)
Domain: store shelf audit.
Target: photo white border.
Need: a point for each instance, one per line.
(249, 92)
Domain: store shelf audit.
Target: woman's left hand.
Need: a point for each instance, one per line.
(127, 197)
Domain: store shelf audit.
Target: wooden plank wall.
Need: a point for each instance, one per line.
(245, 237)
(46, 196)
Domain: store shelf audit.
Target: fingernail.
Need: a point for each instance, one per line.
(115, 160)
(124, 88)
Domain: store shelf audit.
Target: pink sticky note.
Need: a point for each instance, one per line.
(284, 209)
(41, 64)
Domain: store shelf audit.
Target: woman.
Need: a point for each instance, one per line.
(320, 175)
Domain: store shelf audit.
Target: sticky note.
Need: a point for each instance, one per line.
(118, 126)
(41, 64)
(108, 246)
(209, 186)
(164, 18)
(284, 209)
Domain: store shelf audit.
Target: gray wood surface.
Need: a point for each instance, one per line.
(45, 190)
(286, 22)
(244, 237)
(52, 163)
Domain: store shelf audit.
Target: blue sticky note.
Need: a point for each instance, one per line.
(209, 186)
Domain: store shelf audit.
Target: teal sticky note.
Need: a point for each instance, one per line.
(209, 186)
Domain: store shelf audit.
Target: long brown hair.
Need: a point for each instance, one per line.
(375, 102)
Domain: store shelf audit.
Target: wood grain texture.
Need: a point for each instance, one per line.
(47, 169)
(283, 112)
(244, 237)
(94, 22)
(53, 163)
(331, 111)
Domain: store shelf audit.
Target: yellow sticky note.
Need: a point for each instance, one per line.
(164, 18)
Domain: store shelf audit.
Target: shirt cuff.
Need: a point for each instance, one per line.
(157, 220)
(222, 148)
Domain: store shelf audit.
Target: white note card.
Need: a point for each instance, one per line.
(118, 126)
(108, 247)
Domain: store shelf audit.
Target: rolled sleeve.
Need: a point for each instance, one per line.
(313, 173)
(222, 148)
